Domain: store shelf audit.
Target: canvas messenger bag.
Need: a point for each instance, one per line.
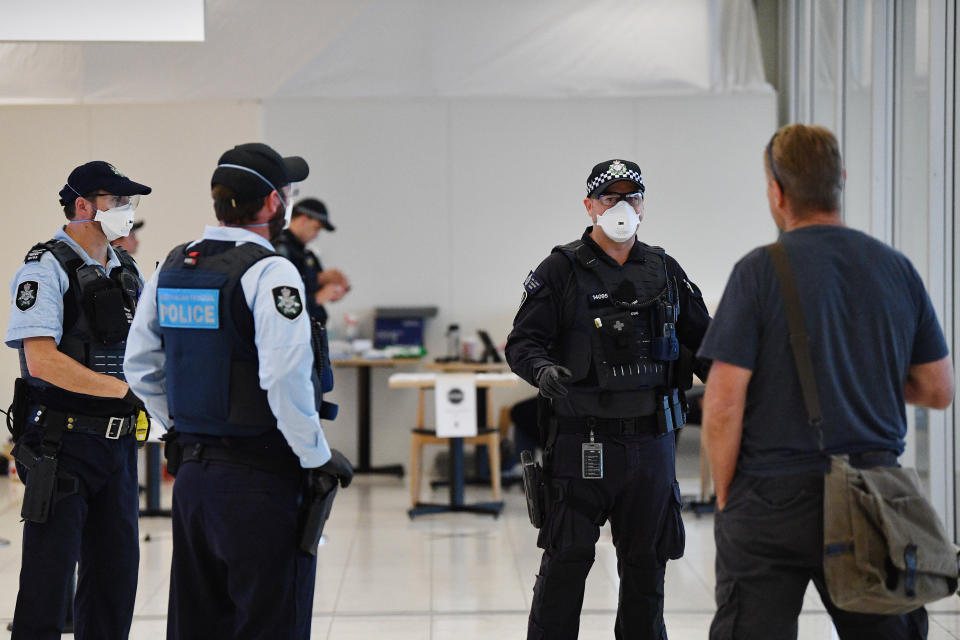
(885, 550)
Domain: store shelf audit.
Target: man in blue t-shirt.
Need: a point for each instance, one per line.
(875, 344)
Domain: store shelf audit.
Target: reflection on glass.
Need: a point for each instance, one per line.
(858, 115)
(911, 172)
(826, 52)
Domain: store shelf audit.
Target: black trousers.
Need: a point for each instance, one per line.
(237, 571)
(100, 531)
(640, 497)
(769, 547)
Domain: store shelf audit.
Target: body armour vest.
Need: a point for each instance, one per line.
(208, 330)
(97, 313)
(622, 344)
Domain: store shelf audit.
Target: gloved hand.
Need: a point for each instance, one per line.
(550, 378)
(339, 467)
(135, 403)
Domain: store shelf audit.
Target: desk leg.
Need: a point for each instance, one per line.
(456, 491)
(456, 472)
(364, 428)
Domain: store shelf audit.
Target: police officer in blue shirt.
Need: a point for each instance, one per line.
(73, 415)
(607, 330)
(221, 353)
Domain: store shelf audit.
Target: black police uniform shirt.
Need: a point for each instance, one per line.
(548, 308)
(308, 264)
(869, 319)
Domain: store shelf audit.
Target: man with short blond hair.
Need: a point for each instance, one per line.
(875, 344)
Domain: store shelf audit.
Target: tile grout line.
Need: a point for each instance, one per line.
(343, 577)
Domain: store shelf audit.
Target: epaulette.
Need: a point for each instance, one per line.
(579, 249)
(36, 252)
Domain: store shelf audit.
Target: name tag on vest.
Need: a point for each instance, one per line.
(599, 299)
(189, 308)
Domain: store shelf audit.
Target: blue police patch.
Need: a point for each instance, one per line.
(189, 308)
(532, 283)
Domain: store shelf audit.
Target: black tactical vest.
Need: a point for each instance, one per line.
(622, 344)
(97, 313)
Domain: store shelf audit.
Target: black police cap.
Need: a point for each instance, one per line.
(99, 176)
(313, 208)
(254, 169)
(606, 173)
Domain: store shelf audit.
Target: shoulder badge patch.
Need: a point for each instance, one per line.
(27, 294)
(532, 283)
(287, 301)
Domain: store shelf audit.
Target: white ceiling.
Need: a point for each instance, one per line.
(291, 49)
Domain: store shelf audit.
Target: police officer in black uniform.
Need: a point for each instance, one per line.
(222, 353)
(322, 286)
(73, 415)
(607, 330)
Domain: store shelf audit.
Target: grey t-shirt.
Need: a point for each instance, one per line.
(869, 319)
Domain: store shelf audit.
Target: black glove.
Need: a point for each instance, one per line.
(549, 380)
(339, 467)
(136, 404)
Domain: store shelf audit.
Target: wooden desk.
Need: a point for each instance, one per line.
(363, 367)
(485, 381)
(467, 367)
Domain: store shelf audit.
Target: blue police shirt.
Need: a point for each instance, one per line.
(283, 349)
(40, 312)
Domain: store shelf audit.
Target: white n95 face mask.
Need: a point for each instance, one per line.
(116, 222)
(619, 222)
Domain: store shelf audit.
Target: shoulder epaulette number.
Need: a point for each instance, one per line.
(36, 252)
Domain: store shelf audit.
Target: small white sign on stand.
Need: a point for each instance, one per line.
(456, 405)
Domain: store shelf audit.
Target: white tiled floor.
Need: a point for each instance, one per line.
(453, 576)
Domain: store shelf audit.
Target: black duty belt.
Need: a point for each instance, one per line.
(108, 427)
(640, 425)
(200, 452)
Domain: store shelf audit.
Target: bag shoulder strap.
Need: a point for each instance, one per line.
(799, 341)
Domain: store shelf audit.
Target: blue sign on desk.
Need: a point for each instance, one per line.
(189, 308)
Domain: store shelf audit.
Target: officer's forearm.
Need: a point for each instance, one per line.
(44, 361)
(527, 364)
(723, 404)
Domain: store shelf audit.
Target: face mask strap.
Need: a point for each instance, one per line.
(249, 170)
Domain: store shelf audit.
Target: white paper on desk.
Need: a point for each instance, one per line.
(456, 405)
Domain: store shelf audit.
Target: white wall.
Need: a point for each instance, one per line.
(451, 203)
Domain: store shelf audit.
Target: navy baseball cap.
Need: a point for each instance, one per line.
(606, 173)
(254, 169)
(313, 208)
(99, 175)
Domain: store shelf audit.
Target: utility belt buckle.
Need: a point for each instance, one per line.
(114, 427)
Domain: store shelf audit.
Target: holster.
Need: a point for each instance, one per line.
(17, 413)
(45, 484)
(546, 424)
(534, 488)
(172, 451)
(320, 490)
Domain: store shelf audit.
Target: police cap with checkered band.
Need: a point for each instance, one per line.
(606, 173)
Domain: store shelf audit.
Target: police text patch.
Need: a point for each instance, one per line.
(532, 283)
(189, 308)
(27, 294)
(287, 301)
